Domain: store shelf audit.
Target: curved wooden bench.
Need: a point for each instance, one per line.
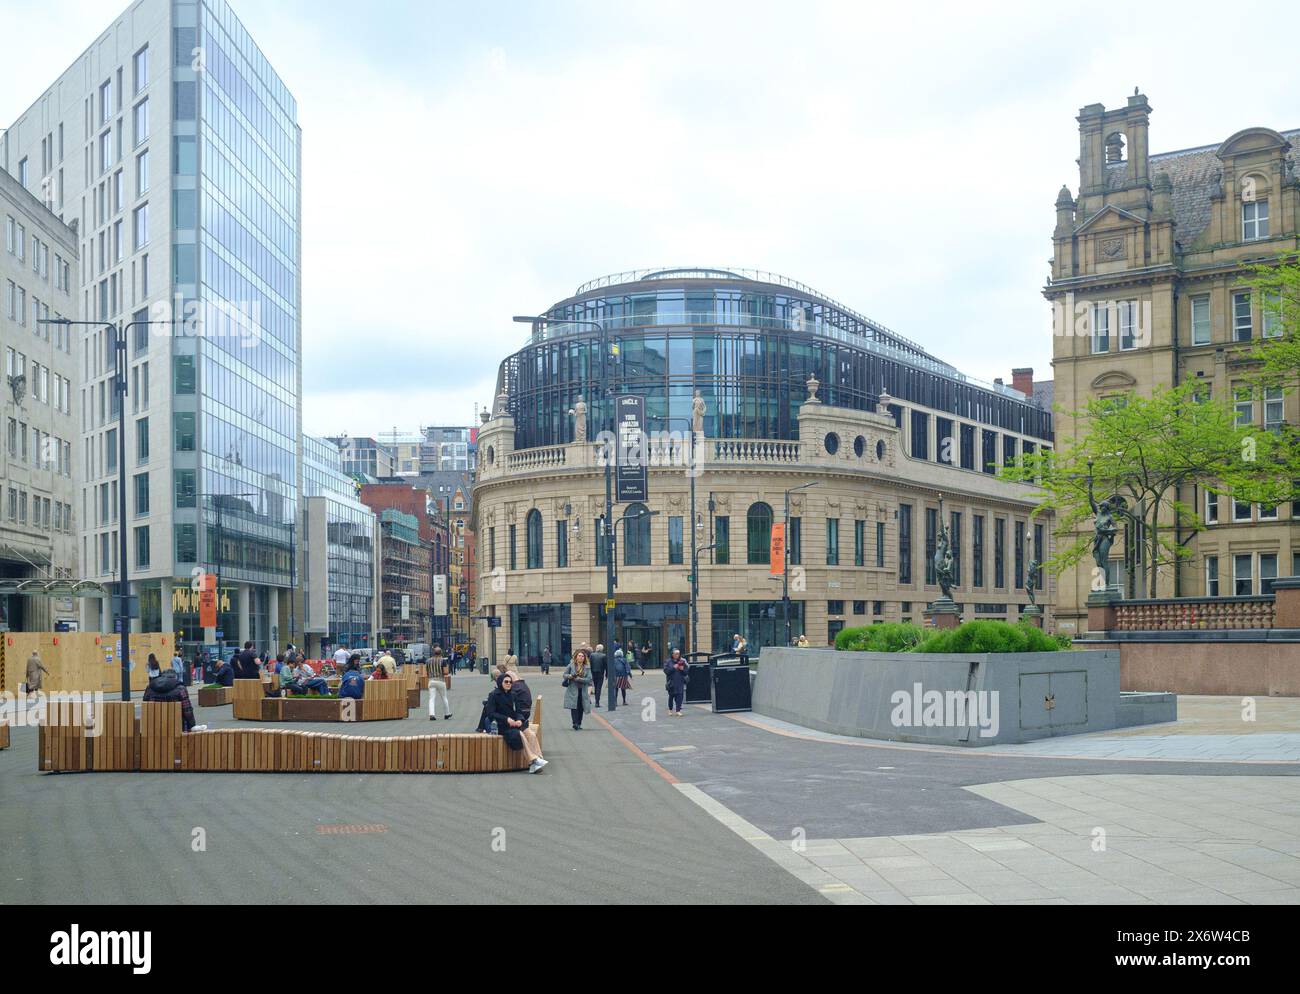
(4, 736)
(116, 740)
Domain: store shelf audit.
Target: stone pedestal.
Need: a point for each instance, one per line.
(944, 613)
(1101, 610)
(1033, 614)
(1286, 607)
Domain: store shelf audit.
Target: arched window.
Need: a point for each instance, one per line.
(759, 532)
(534, 539)
(636, 535)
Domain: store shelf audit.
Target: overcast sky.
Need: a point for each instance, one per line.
(463, 162)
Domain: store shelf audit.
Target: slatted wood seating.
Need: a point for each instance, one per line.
(383, 700)
(119, 741)
(4, 736)
(215, 697)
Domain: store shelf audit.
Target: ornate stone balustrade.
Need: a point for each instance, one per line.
(755, 451)
(1194, 614)
(547, 457)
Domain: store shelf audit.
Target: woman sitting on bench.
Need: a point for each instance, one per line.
(512, 724)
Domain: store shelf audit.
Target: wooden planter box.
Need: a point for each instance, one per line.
(384, 700)
(215, 697)
(4, 736)
(412, 697)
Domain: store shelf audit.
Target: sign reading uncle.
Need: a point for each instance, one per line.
(631, 457)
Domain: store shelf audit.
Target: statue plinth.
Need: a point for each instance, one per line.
(1033, 614)
(944, 613)
(1101, 609)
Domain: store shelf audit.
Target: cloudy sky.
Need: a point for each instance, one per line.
(466, 162)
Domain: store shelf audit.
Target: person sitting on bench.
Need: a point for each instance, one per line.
(353, 683)
(224, 674)
(512, 725)
(167, 686)
(310, 682)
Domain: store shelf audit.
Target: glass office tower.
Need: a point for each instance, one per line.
(174, 147)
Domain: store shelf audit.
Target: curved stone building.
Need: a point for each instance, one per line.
(787, 388)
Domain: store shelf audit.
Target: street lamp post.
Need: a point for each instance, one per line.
(785, 561)
(607, 526)
(119, 392)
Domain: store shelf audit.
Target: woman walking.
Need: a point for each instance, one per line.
(512, 724)
(675, 671)
(622, 675)
(577, 675)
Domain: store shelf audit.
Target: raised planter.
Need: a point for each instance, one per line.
(962, 699)
(215, 697)
(385, 700)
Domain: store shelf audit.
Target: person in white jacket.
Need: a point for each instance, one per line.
(438, 686)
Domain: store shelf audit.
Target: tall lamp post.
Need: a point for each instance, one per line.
(785, 561)
(607, 525)
(120, 360)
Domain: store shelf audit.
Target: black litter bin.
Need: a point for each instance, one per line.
(483, 664)
(731, 687)
(699, 686)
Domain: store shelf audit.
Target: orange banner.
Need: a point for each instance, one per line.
(207, 601)
(778, 550)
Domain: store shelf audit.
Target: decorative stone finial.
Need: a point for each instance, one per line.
(813, 384)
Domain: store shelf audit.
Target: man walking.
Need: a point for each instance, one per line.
(599, 668)
(546, 660)
(34, 670)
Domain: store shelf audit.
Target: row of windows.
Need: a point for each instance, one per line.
(16, 239)
(1244, 511)
(1132, 319)
(47, 515)
(47, 451)
(1253, 573)
(955, 443)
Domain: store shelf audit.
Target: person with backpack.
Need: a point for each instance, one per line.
(675, 674)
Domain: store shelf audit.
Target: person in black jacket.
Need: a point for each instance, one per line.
(224, 674)
(246, 665)
(165, 685)
(512, 724)
(599, 667)
(523, 695)
(675, 671)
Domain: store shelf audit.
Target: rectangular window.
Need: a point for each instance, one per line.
(1242, 581)
(1267, 571)
(183, 374)
(1240, 510)
(931, 541)
(794, 541)
(140, 64)
(142, 441)
(561, 543)
(1211, 507)
(185, 487)
(1020, 555)
(834, 607)
(674, 540)
(1200, 320)
(1241, 319)
(187, 545)
(1211, 576)
(859, 543)
(141, 227)
(722, 538)
(920, 435)
(141, 494)
(1274, 409)
(1128, 310)
(142, 547)
(1100, 328)
(977, 550)
(955, 539)
(1243, 403)
(142, 174)
(184, 431)
(140, 121)
(904, 543)
(832, 541)
(492, 548)
(999, 553)
(989, 453)
(1039, 554)
(1008, 450)
(512, 547)
(967, 446)
(880, 544)
(1254, 220)
(944, 442)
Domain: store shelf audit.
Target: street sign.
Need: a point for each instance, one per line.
(494, 622)
(609, 604)
(208, 601)
(630, 456)
(440, 596)
(406, 607)
(777, 552)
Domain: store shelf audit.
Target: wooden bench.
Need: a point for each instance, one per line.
(4, 736)
(113, 738)
(215, 697)
(383, 700)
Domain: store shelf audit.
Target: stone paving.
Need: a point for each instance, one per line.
(1109, 839)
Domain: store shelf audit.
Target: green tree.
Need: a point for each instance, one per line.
(1149, 450)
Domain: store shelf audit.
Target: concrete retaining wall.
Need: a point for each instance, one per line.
(1020, 696)
(1265, 669)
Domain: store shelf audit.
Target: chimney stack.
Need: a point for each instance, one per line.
(1023, 380)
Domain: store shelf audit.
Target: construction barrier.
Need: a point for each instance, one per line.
(87, 661)
(153, 741)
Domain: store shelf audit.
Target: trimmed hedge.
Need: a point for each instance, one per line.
(892, 636)
(972, 636)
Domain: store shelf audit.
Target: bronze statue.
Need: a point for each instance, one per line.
(943, 556)
(1104, 527)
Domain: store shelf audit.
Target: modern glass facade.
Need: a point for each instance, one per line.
(748, 343)
(350, 545)
(235, 215)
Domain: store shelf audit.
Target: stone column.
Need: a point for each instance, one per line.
(582, 617)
